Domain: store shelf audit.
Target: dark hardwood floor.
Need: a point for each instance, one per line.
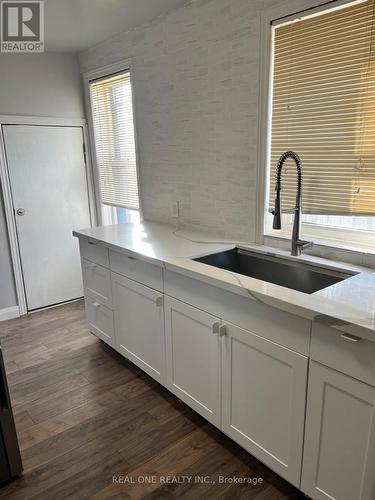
(88, 419)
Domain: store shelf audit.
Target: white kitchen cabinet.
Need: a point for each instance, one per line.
(193, 347)
(139, 325)
(263, 399)
(94, 252)
(243, 365)
(97, 282)
(137, 270)
(100, 320)
(339, 454)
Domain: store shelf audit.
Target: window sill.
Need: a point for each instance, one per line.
(362, 255)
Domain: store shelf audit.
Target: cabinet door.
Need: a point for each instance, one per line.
(263, 400)
(339, 454)
(139, 325)
(193, 348)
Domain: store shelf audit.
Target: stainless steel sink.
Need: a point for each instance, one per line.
(281, 271)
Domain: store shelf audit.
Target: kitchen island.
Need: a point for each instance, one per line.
(273, 368)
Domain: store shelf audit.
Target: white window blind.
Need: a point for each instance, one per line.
(112, 112)
(323, 108)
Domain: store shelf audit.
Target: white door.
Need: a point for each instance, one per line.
(139, 325)
(339, 454)
(263, 400)
(193, 347)
(50, 197)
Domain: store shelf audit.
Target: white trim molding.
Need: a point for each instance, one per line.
(41, 120)
(9, 313)
(7, 193)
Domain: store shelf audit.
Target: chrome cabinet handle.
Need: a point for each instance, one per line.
(216, 328)
(95, 304)
(92, 266)
(21, 212)
(131, 258)
(222, 331)
(351, 338)
(159, 301)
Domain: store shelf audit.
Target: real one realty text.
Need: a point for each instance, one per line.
(254, 481)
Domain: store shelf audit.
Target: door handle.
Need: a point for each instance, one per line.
(216, 328)
(222, 331)
(21, 212)
(351, 338)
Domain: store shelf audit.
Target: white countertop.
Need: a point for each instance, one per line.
(348, 305)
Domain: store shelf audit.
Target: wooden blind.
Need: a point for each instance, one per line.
(112, 111)
(323, 108)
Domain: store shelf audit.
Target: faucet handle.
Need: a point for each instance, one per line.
(305, 244)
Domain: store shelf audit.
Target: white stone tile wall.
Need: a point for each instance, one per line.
(196, 88)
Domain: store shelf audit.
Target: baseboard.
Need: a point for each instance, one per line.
(9, 313)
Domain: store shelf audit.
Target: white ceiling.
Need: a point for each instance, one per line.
(75, 25)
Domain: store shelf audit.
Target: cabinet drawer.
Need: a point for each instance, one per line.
(100, 320)
(347, 354)
(137, 270)
(97, 282)
(94, 252)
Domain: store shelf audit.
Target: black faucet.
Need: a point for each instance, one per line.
(298, 245)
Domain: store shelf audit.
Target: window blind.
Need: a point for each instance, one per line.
(323, 108)
(112, 112)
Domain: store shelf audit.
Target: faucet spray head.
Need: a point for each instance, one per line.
(277, 214)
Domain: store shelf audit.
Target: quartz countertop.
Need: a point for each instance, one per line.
(348, 305)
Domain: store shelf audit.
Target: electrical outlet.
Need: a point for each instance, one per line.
(175, 209)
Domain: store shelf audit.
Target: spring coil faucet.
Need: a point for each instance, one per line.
(298, 245)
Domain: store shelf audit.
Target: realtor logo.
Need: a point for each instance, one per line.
(22, 26)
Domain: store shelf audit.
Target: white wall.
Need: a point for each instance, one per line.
(196, 86)
(36, 85)
(40, 84)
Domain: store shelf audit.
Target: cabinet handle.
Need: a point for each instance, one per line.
(93, 242)
(216, 328)
(351, 338)
(95, 304)
(159, 301)
(92, 266)
(222, 331)
(131, 258)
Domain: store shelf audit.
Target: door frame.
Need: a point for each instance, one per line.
(7, 192)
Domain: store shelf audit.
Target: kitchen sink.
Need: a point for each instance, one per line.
(281, 271)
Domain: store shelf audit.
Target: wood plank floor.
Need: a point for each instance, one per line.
(87, 418)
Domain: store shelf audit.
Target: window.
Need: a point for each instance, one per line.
(112, 114)
(323, 107)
